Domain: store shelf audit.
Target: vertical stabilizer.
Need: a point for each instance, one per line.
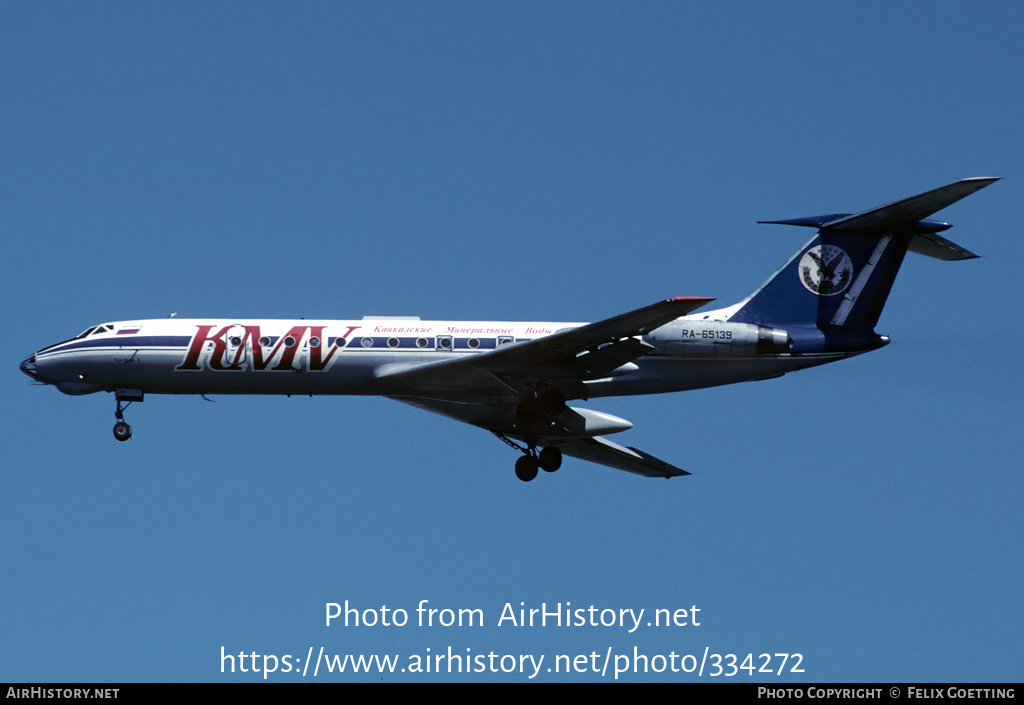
(840, 280)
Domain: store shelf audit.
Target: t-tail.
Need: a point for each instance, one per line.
(830, 294)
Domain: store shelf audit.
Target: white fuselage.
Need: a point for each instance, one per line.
(209, 356)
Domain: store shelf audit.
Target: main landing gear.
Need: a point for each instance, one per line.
(547, 459)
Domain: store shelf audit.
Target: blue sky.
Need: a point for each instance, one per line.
(506, 161)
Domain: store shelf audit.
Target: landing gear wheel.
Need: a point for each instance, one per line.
(550, 459)
(122, 431)
(526, 468)
(124, 397)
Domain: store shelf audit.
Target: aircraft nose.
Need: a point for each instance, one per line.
(28, 366)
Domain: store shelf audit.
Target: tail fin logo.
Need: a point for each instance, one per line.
(825, 270)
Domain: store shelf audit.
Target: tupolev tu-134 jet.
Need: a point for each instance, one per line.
(516, 379)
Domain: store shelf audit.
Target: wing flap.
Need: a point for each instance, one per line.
(598, 363)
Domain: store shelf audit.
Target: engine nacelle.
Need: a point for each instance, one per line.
(720, 338)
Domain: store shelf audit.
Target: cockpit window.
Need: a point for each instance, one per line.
(105, 328)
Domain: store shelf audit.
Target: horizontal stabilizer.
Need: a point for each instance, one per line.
(938, 247)
(908, 216)
(912, 209)
(909, 210)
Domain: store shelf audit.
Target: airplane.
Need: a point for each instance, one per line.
(516, 379)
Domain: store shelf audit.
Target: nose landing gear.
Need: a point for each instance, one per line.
(122, 431)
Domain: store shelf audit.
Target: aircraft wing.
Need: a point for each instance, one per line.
(587, 352)
(597, 449)
(603, 452)
(481, 389)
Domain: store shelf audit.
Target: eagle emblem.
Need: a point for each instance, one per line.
(825, 270)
